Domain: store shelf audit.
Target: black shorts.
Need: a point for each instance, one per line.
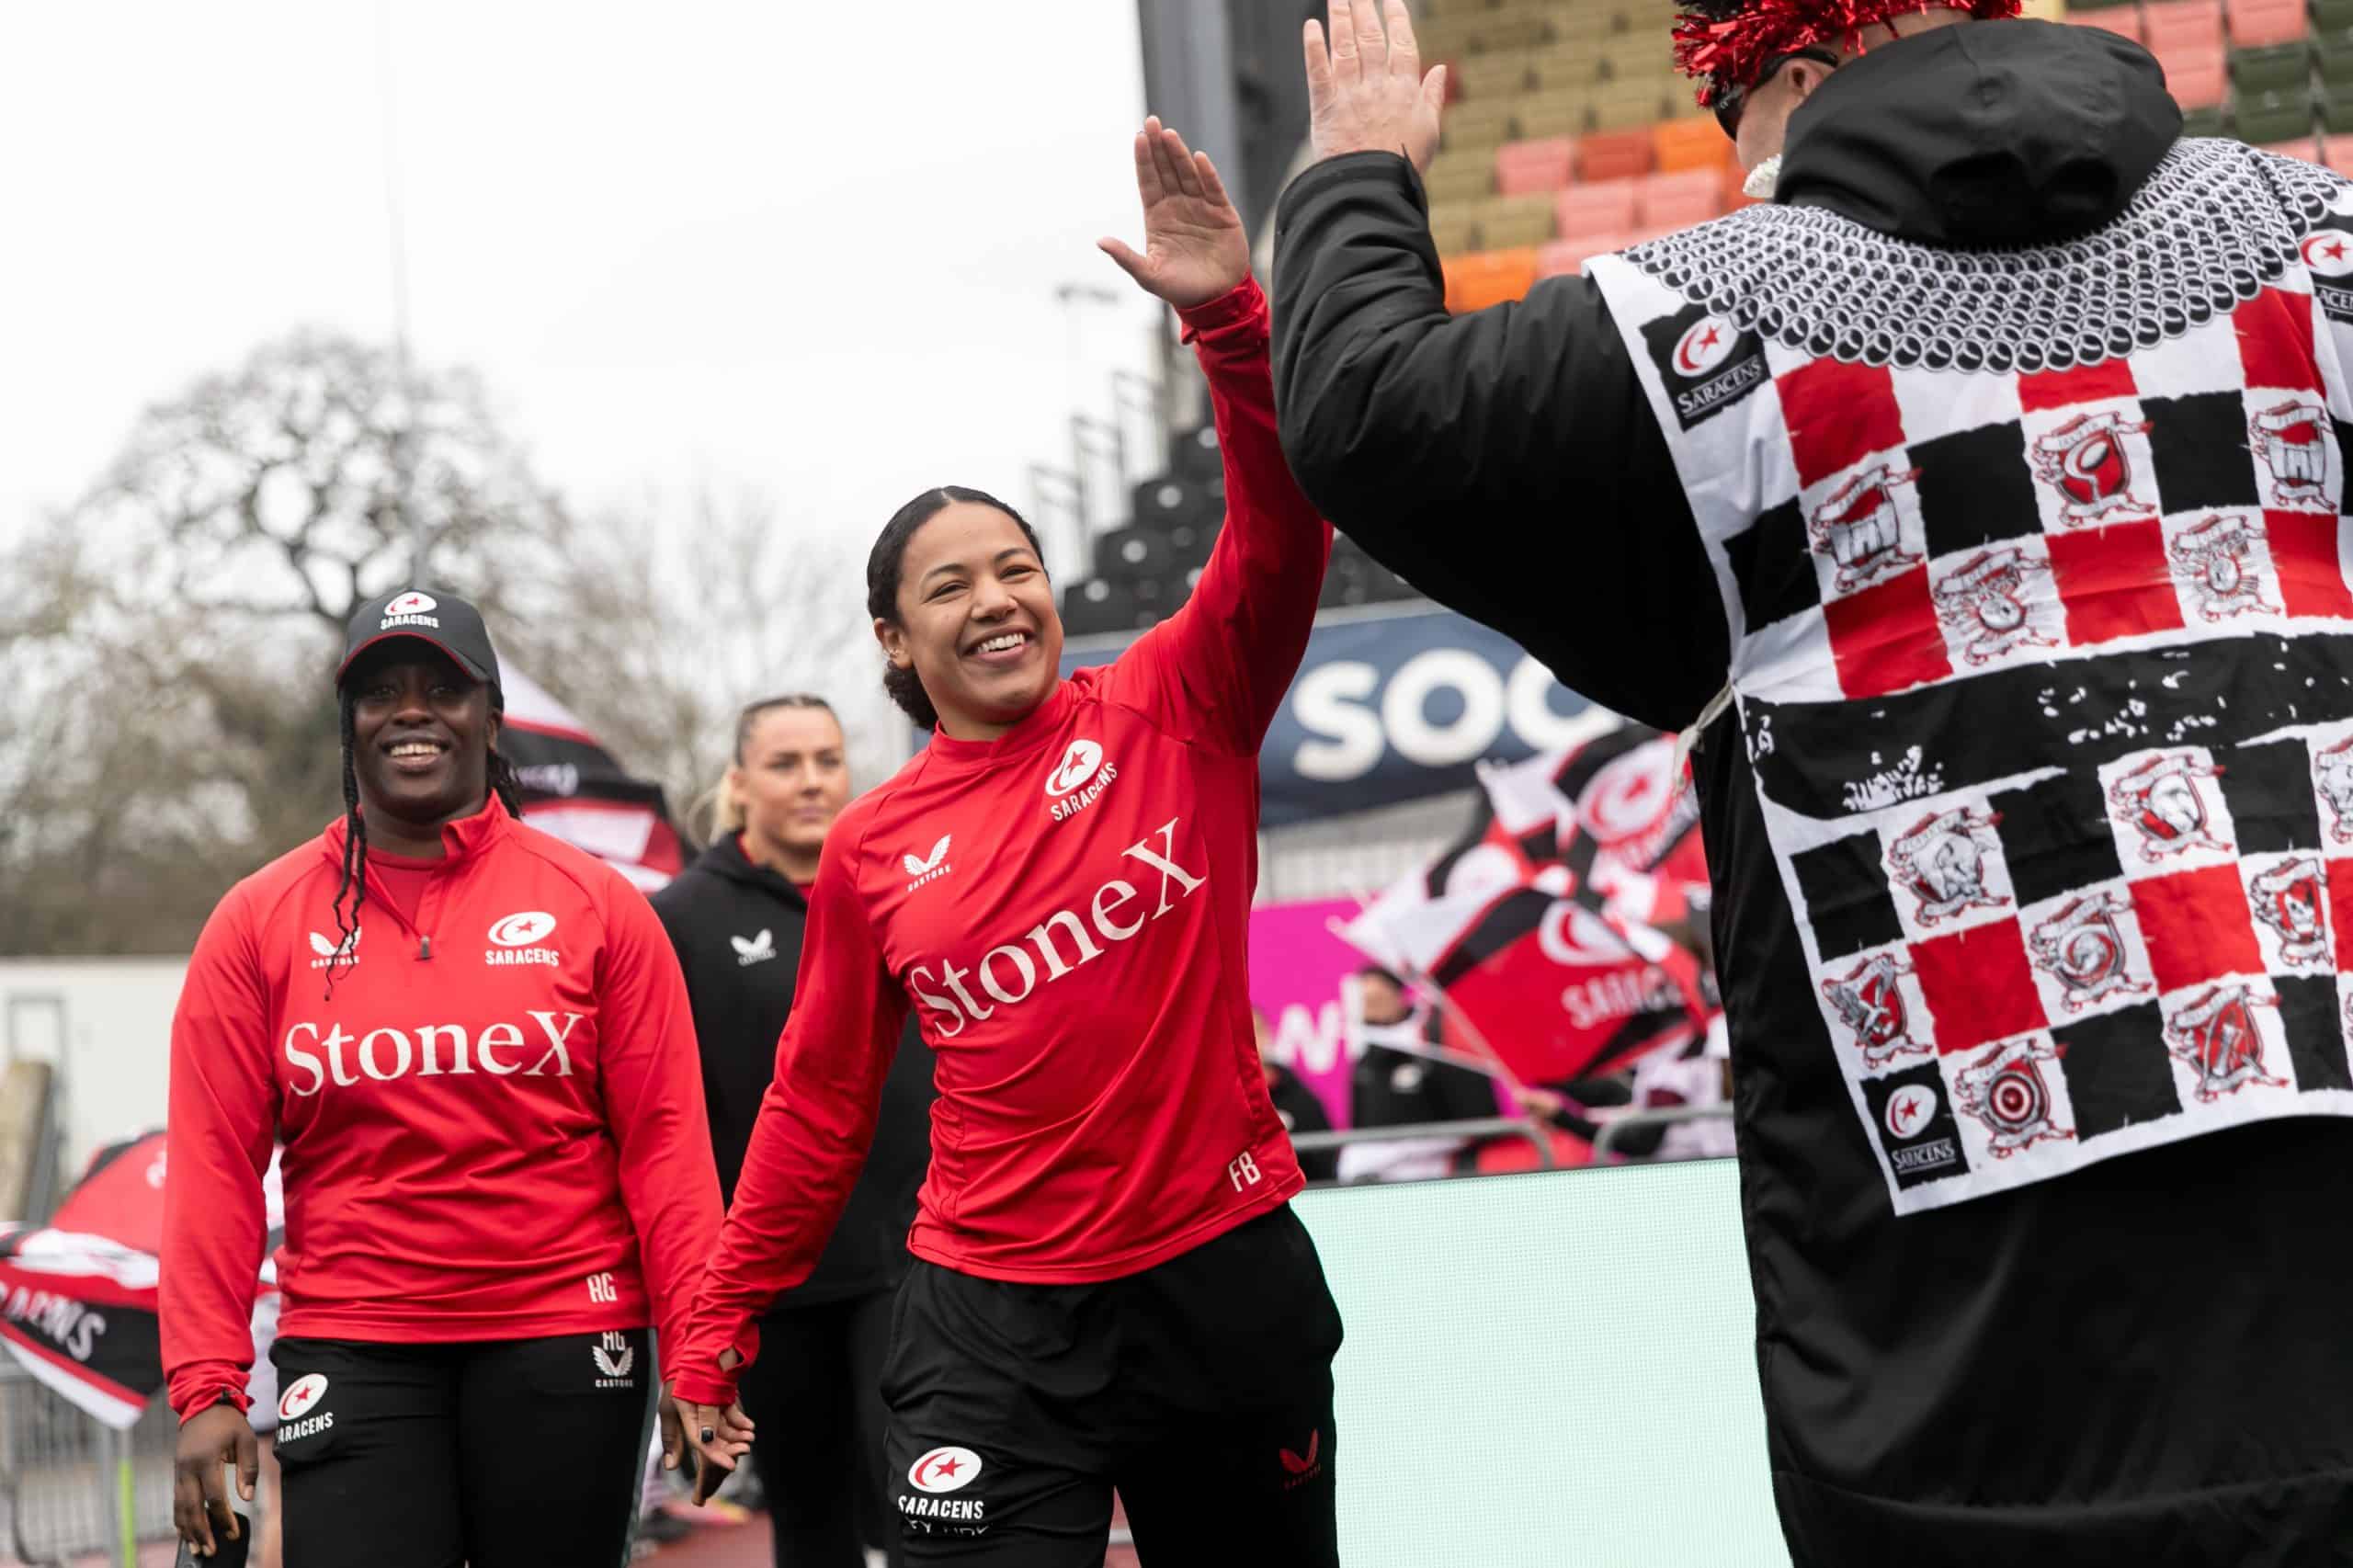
(516, 1453)
(1201, 1389)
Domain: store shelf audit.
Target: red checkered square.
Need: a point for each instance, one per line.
(1978, 985)
(2340, 911)
(2197, 926)
(2115, 582)
(2065, 389)
(1886, 638)
(1838, 415)
(2275, 331)
(2303, 553)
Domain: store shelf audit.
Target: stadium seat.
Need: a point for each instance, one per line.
(2336, 116)
(1614, 155)
(2075, 10)
(1127, 555)
(2210, 121)
(2340, 155)
(1195, 456)
(2332, 16)
(1671, 201)
(2256, 24)
(1636, 57)
(1482, 76)
(1561, 66)
(1730, 196)
(1553, 112)
(1603, 207)
(2307, 148)
(1487, 124)
(2283, 68)
(1464, 175)
(1487, 277)
(1510, 222)
(2335, 56)
(2197, 78)
(1168, 502)
(1560, 256)
(2268, 118)
(2124, 19)
(1454, 228)
(1678, 144)
(1526, 168)
(2197, 23)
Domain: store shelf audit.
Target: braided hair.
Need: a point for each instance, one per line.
(354, 882)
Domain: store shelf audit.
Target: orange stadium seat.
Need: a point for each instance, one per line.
(1700, 143)
(2198, 77)
(1672, 201)
(2125, 19)
(1559, 257)
(2256, 24)
(2340, 155)
(2197, 23)
(1614, 154)
(1526, 168)
(1487, 277)
(1605, 206)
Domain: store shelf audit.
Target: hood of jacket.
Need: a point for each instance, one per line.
(1984, 135)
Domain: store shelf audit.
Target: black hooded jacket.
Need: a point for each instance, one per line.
(2140, 1362)
(737, 928)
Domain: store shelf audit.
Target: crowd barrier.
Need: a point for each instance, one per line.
(72, 1490)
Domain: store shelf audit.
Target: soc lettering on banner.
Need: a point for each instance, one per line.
(1392, 706)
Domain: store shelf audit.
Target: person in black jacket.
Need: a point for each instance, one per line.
(1977, 503)
(736, 917)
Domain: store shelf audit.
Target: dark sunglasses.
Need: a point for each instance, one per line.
(1732, 100)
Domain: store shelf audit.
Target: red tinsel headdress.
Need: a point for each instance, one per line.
(1727, 43)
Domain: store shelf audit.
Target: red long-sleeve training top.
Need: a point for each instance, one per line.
(1065, 908)
(494, 1127)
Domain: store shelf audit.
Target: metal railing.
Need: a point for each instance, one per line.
(1619, 1126)
(73, 1487)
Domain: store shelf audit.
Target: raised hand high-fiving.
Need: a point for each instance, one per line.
(1366, 89)
(1194, 249)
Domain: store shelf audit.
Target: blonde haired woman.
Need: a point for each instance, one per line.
(735, 917)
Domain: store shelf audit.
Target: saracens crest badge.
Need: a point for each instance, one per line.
(1860, 530)
(2085, 459)
(1983, 601)
(2292, 439)
(1868, 1000)
(2007, 1092)
(2288, 898)
(2164, 802)
(2084, 949)
(2216, 1035)
(1941, 861)
(2333, 771)
(2211, 560)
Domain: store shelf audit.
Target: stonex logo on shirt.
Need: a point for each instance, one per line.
(1064, 941)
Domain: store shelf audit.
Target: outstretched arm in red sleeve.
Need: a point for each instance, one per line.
(1218, 668)
(816, 1122)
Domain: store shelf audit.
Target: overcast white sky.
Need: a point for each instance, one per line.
(805, 247)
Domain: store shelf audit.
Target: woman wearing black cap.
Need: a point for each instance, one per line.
(736, 917)
(474, 1043)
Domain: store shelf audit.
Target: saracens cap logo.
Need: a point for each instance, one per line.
(944, 1470)
(1079, 766)
(2328, 252)
(413, 603)
(300, 1395)
(522, 929)
(1909, 1110)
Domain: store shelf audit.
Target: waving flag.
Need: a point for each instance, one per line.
(574, 789)
(1541, 926)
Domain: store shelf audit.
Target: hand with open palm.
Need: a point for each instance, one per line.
(1194, 249)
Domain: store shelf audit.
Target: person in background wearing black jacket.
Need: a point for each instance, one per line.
(1295, 1103)
(1977, 502)
(736, 916)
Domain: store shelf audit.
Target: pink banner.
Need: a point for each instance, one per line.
(1296, 967)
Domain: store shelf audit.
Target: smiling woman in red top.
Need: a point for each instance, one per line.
(1110, 1289)
(474, 1043)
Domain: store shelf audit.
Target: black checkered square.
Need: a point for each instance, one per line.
(1846, 893)
(2199, 442)
(2117, 1070)
(2315, 1040)
(1975, 488)
(1771, 562)
(2269, 790)
(2055, 836)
